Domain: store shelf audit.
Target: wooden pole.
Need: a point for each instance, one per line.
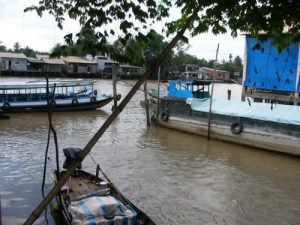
(212, 94)
(114, 78)
(158, 95)
(146, 103)
(57, 187)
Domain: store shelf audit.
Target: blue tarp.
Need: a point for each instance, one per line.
(269, 69)
(180, 89)
(288, 114)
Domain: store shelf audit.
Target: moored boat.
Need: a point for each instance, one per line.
(88, 199)
(64, 96)
(260, 125)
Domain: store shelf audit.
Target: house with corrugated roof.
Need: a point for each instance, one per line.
(52, 65)
(10, 61)
(75, 65)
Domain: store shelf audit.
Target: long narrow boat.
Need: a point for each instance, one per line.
(64, 96)
(88, 199)
(260, 125)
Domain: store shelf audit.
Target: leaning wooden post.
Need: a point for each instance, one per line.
(212, 94)
(114, 78)
(57, 187)
(158, 96)
(146, 103)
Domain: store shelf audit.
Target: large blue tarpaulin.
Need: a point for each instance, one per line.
(267, 68)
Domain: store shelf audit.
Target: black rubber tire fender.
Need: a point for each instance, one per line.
(74, 101)
(93, 99)
(236, 127)
(6, 105)
(118, 97)
(164, 116)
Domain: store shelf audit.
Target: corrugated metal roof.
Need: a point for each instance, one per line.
(30, 59)
(53, 61)
(13, 55)
(76, 59)
(39, 56)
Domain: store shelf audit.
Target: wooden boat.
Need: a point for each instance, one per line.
(64, 96)
(89, 199)
(260, 125)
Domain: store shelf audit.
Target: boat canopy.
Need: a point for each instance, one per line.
(189, 89)
(32, 85)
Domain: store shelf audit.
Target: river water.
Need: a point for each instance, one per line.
(175, 178)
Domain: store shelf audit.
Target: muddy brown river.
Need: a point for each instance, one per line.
(176, 178)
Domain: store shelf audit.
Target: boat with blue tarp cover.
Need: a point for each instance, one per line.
(64, 96)
(268, 126)
(93, 199)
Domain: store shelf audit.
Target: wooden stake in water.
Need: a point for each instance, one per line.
(114, 78)
(158, 92)
(212, 94)
(146, 103)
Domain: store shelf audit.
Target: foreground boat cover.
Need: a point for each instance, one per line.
(101, 210)
(288, 114)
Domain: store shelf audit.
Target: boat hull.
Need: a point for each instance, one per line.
(83, 183)
(267, 135)
(65, 105)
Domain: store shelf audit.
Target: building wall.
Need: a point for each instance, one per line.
(14, 64)
(55, 68)
(220, 75)
(75, 68)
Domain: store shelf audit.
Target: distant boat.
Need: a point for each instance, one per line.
(89, 199)
(64, 96)
(260, 125)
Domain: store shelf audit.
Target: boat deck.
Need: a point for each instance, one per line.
(81, 185)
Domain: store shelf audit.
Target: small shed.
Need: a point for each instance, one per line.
(270, 74)
(34, 64)
(11, 61)
(79, 66)
(54, 65)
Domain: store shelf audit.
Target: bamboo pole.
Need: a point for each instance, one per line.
(146, 103)
(212, 94)
(56, 189)
(158, 95)
(114, 78)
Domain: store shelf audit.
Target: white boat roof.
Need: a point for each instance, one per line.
(40, 84)
(288, 114)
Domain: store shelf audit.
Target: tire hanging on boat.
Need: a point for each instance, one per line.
(74, 101)
(93, 99)
(164, 116)
(237, 127)
(95, 92)
(6, 105)
(153, 117)
(53, 102)
(118, 97)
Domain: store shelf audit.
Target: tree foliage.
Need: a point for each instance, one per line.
(135, 18)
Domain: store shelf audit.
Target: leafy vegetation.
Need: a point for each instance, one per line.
(135, 18)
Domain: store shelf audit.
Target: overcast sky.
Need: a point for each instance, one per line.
(42, 33)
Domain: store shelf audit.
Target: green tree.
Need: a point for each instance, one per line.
(2, 47)
(29, 52)
(17, 47)
(218, 16)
